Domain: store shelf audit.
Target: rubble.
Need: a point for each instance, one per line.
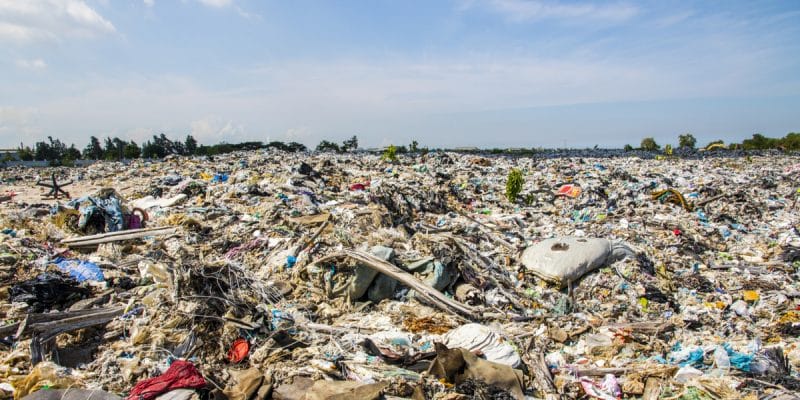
(278, 275)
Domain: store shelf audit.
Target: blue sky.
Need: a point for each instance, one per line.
(489, 73)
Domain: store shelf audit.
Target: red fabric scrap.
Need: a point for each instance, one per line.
(238, 350)
(359, 186)
(181, 374)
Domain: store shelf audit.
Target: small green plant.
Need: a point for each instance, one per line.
(514, 184)
(530, 199)
(390, 154)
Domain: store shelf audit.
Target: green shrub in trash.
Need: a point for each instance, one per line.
(530, 198)
(390, 154)
(514, 184)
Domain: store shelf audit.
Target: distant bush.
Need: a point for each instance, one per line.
(649, 144)
(687, 140)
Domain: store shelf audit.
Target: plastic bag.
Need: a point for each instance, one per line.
(80, 270)
(476, 337)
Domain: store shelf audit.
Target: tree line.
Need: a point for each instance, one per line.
(790, 142)
(159, 146)
(114, 149)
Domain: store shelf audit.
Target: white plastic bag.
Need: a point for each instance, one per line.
(478, 337)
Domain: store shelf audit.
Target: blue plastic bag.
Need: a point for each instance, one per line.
(80, 270)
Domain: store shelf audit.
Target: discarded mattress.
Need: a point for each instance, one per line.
(564, 260)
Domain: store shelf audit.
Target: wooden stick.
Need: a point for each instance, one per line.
(542, 379)
(432, 295)
(305, 243)
(119, 238)
(48, 330)
(30, 319)
(44, 332)
(492, 237)
(601, 371)
(645, 327)
(337, 329)
(112, 234)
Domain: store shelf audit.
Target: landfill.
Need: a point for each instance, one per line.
(274, 275)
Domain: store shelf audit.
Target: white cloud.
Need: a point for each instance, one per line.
(36, 20)
(139, 135)
(310, 101)
(298, 134)
(213, 129)
(18, 123)
(216, 3)
(149, 3)
(529, 10)
(674, 19)
(35, 64)
(247, 15)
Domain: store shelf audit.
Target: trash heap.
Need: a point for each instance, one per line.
(260, 275)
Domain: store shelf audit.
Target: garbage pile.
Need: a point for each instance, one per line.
(260, 275)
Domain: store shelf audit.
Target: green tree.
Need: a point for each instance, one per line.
(350, 144)
(514, 183)
(190, 145)
(325, 145)
(42, 151)
(119, 148)
(162, 146)
(132, 150)
(52, 150)
(414, 147)
(649, 144)
(71, 154)
(687, 140)
(93, 151)
(25, 153)
(759, 142)
(791, 141)
(148, 151)
(159, 147)
(294, 147)
(628, 147)
(108, 149)
(114, 149)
